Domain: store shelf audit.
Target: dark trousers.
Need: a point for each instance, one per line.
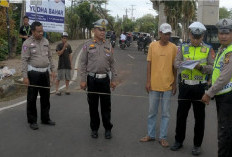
(102, 86)
(38, 79)
(190, 92)
(224, 114)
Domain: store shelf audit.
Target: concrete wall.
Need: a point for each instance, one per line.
(208, 11)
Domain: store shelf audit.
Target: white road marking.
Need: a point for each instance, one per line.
(131, 56)
(73, 78)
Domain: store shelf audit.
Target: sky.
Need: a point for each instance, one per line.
(142, 7)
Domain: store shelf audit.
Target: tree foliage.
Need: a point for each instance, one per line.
(224, 13)
(148, 23)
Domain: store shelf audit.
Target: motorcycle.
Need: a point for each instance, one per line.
(123, 44)
(146, 49)
(113, 43)
(127, 43)
(140, 46)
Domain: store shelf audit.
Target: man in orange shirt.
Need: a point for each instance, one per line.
(161, 83)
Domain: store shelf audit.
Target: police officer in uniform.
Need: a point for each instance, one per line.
(222, 88)
(192, 84)
(97, 61)
(36, 64)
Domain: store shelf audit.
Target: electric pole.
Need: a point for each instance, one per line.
(132, 10)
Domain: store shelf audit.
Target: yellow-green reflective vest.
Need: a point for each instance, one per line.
(194, 53)
(217, 68)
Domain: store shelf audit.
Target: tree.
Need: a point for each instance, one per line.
(224, 13)
(148, 23)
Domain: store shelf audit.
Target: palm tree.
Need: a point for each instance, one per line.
(189, 13)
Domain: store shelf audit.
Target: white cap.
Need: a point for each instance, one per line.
(165, 28)
(64, 34)
(197, 28)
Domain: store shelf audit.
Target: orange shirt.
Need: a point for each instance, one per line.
(162, 60)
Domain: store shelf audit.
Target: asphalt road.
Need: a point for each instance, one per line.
(71, 136)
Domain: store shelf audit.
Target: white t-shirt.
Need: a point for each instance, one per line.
(122, 37)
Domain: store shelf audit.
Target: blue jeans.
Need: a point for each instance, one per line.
(154, 99)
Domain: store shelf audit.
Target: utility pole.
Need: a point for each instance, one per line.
(132, 10)
(126, 13)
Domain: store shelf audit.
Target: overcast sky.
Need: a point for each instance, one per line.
(142, 7)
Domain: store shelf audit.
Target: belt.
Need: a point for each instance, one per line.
(193, 82)
(99, 76)
(31, 68)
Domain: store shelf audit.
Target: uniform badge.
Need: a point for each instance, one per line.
(92, 45)
(203, 49)
(227, 58)
(24, 48)
(32, 45)
(186, 50)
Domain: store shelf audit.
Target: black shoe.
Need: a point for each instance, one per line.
(94, 134)
(34, 126)
(196, 151)
(108, 134)
(49, 122)
(176, 146)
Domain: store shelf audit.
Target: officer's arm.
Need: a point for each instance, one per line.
(25, 55)
(208, 68)
(224, 77)
(178, 59)
(83, 64)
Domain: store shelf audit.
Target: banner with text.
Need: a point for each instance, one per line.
(50, 13)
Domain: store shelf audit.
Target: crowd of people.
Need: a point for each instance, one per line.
(99, 75)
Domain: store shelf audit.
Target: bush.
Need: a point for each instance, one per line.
(3, 49)
(53, 37)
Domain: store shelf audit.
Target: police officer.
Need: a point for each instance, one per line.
(222, 88)
(97, 61)
(36, 64)
(192, 84)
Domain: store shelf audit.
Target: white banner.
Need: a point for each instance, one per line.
(50, 13)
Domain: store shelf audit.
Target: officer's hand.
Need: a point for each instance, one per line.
(26, 81)
(198, 66)
(83, 85)
(205, 99)
(148, 87)
(113, 85)
(173, 88)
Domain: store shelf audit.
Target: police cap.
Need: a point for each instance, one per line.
(224, 25)
(197, 29)
(101, 24)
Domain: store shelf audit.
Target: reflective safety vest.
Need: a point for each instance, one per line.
(217, 68)
(194, 53)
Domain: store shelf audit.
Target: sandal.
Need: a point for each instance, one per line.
(163, 143)
(58, 93)
(146, 139)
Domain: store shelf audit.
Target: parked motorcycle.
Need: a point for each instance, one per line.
(123, 44)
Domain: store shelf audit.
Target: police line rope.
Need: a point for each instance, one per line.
(89, 92)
